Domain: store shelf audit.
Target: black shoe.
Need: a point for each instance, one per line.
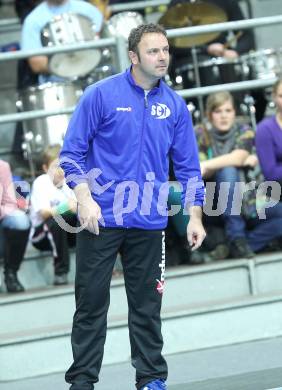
(13, 285)
(273, 246)
(240, 248)
(196, 258)
(60, 280)
(220, 252)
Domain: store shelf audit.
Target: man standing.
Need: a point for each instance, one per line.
(115, 156)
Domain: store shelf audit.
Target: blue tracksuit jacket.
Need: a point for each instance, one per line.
(119, 141)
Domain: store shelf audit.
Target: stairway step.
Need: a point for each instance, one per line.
(184, 329)
(193, 286)
(204, 306)
(52, 306)
(168, 313)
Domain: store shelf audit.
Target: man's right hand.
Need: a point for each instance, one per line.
(89, 214)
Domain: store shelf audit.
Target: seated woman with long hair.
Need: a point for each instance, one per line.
(225, 148)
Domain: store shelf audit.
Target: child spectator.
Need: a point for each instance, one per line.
(50, 197)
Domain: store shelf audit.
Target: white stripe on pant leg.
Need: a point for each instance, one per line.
(52, 242)
(160, 285)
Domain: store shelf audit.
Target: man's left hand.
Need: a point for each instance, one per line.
(195, 233)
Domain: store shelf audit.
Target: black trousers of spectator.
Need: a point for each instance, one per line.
(50, 236)
(15, 242)
(143, 259)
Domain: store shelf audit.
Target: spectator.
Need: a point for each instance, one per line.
(219, 47)
(39, 17)
(223, 46)
(228, 46)
(213, 248)
(14, 230)
(224, 149)
(269, 139)
(25, 77)
(50, 197)
(36, 14)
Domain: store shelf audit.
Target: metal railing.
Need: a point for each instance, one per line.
(226, 26)
(185, 93)
(232, 87)
(99, 43)
(172, 33)
(14, 23)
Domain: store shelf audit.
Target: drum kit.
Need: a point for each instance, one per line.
(192, 14)
(259, 64)
(203, 70)
(95, 64)
(78, 69)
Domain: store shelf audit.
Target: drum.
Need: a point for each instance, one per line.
(263, 64)
(212, 72)
(121, 24)
(98, 74)
(42, 132)
(67, 29)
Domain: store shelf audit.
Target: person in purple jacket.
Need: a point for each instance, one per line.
(116, 157)
(269, 139)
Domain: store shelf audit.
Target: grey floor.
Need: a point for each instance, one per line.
(249, 366)
(257, 380)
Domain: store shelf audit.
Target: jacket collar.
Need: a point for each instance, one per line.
(131, 80)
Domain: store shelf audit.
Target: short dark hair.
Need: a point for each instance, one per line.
(136, 34)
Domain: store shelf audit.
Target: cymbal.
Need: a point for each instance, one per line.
(192, 14)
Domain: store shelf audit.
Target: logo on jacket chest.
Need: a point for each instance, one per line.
(160, 111)
(124, 109)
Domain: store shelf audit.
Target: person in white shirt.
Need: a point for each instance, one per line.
(51, 197)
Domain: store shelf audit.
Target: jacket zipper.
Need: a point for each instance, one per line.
(142, 133)
(141, 138)
(145, 100)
